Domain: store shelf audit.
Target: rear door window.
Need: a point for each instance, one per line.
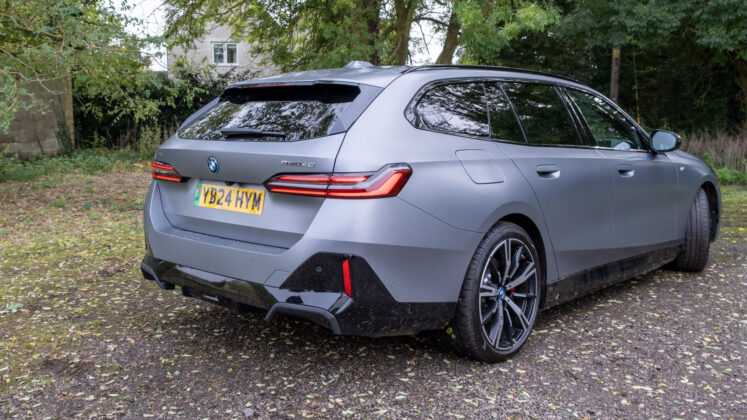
(286, 113)
(455, 108)
(543, 114)
(503, 123)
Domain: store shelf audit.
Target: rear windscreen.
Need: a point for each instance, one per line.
(278, 113)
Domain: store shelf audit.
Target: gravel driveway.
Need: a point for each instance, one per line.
(81, 334)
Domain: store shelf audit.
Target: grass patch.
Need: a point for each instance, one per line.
(734, 210)
(69, 256)
(85, 161)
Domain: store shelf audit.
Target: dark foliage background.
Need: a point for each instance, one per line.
(681, 85)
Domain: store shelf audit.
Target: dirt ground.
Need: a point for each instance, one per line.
(82, 334)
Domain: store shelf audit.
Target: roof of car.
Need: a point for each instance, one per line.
(365, 73)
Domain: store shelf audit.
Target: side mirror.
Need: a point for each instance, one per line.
(663, 141)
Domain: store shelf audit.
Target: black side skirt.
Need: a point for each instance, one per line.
(589, 281)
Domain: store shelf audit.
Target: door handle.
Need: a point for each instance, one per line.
(548, 171)
(625, 170)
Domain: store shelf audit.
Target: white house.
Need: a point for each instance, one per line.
(227, 54)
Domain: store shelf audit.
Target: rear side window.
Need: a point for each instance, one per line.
(543, 115)
(285, 113)
(456, 108)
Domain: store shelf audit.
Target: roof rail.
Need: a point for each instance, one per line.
(476, 67)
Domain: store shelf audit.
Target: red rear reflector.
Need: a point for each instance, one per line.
(386, 182)
(165, 172)
(346, 278)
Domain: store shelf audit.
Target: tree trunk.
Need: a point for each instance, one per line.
(451, 41)
(68, 109)
(615, 75)
(366, 25)
(404, 11)
(741, 66)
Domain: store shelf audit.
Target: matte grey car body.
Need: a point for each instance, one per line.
(595, 214)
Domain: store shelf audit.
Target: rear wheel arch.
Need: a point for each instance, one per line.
(713, 207)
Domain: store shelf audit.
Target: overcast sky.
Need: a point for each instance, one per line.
(151, 13)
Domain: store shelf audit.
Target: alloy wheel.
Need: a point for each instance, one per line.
(508, 295)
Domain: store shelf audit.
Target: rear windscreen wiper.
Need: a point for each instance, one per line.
(249, 132)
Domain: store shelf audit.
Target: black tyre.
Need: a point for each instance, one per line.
(500, 296)
(694, 255)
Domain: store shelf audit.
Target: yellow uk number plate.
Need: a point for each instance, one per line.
(242, 200)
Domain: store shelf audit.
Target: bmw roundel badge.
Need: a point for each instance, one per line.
(213, 164)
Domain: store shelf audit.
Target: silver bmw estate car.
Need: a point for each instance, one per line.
(390, 200)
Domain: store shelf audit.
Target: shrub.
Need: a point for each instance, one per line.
(175, 96)
(728, 176)
(151, 136)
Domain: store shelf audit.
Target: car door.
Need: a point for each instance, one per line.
(644, 183)
(572, 183)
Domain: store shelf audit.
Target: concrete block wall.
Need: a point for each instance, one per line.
(34, 132)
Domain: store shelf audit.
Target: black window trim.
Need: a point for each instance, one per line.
(560, 88)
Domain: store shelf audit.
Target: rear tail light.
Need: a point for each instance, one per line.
(165, 172)
(386, 182)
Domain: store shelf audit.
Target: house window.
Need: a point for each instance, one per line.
(224, 54)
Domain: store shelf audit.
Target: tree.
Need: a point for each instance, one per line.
(489, 26)
(45, 40)
(292, 34)
(720, 25)
(307, 34)
(482, 28)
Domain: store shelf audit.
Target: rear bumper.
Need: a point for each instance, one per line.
(407, 266)
(371, 311)
(418, 258)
